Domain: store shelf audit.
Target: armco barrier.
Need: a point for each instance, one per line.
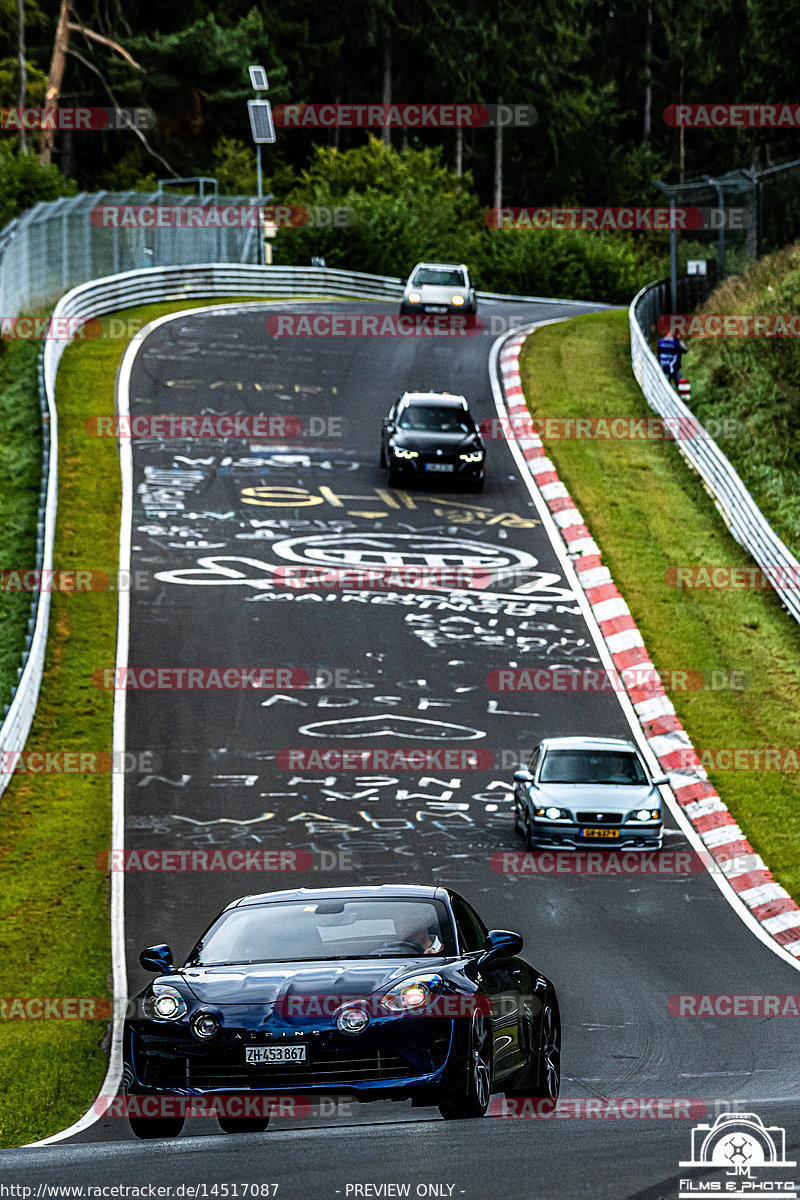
(107, 294)
(737, 507)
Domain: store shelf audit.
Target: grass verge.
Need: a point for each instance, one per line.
(54, 923)
(649, 512)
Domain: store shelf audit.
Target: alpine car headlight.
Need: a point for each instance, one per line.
(647, 814)
(412, 994)
(458, 300)
(205, 1025)
(352, 1020)
(475, 456)
(165, 1003)
(414, 297)
(398, 452)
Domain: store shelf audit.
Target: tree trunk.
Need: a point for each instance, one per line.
(647, 123)
(55, 79)
(23, 71)
(386, 96)
(498, 163)
(459, 151)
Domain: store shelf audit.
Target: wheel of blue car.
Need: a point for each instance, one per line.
(549, 1080)
(243, 1124)
(479, 1074)
(148, 1128)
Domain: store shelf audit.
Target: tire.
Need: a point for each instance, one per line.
(148, 1128)
(382, 459)
(475, 1101)
(517, 827)
(477, 485)
(548, 1083)
(529, 844)
(393, 478)
(243, 1124)
(541, 1078)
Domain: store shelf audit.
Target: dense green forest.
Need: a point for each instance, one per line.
(599, 73)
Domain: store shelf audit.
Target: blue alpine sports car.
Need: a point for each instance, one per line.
(392, 992)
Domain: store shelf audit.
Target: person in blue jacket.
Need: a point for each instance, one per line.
(670, 349)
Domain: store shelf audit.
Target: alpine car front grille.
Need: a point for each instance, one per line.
(340, 1066)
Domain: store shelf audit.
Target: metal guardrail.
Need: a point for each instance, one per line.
(737, 507)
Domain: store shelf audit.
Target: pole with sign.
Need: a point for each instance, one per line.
(263, 132)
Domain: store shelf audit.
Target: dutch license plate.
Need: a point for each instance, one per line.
(439, 466)
(600, 833)
(268, 1056)
(437, 308)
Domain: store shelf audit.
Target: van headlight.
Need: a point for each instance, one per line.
(457, 300)
(414, 297)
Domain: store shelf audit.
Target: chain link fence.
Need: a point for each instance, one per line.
(59, 244)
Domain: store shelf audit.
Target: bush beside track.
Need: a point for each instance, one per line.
(54, 920)
(648, 512)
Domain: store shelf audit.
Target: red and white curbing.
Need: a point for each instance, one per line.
(746, 871)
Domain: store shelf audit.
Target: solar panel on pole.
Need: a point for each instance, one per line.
(261, 125)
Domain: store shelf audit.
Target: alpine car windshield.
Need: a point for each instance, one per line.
(321, 930)
(427, 275)
(592, 766)
(425, 418)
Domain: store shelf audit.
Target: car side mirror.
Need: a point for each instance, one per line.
(523, 775)
(500, 943)
(157, 958)
(388, 422)
(661, 780)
